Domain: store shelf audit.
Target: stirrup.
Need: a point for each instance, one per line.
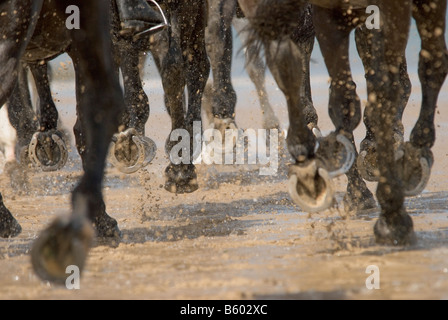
(155, 28)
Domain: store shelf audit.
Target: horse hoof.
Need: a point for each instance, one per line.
(9, 227)
(64, 243)
(222, 125)
(181, 179)
(311, 187)
(106, 228)
(397, 230)
(417, 164)
(47, 150)
(130, 152)
(367, 161)
(337, 152)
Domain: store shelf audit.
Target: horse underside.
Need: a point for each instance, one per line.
(400, 168)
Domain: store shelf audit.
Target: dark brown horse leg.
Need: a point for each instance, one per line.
(23, 119)
(9, 227)
(344, 103)
(168, 58)
(131, 150)
(310, 185)
(394, 226)
(20, 110)
(197, 67)
(430, 16)
(189, 18)
(47, 148)
(100, 102)
(16, 32)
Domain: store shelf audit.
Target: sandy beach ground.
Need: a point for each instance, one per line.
(239, 236)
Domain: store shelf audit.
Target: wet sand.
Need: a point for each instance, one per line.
(239, 236)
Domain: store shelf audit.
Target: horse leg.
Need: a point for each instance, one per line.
(256, 70)
(430, 16)
(17, 26)
(180, 175)
(394, 226)
(367, 161)
(131, 150)
(47, 148)
(99, 104)
(310, 186)
(344, 103)
(23, 120)
(21, 113)
(188, 25)
(9, 227)
(218, 37)
(304, 37)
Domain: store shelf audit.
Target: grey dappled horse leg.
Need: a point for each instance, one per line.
(394, 226)
(416, 158)
(430, 16)
(344, 103)
(256, 70)
(220, 49)
(367, 162)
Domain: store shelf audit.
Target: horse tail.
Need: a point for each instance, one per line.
(276, 20)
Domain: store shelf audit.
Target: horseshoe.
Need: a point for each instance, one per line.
(146, 151)
(426, 174)
(365, 168)
(64, 243)
(349, 160)
(303, 197)
(35, 158)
